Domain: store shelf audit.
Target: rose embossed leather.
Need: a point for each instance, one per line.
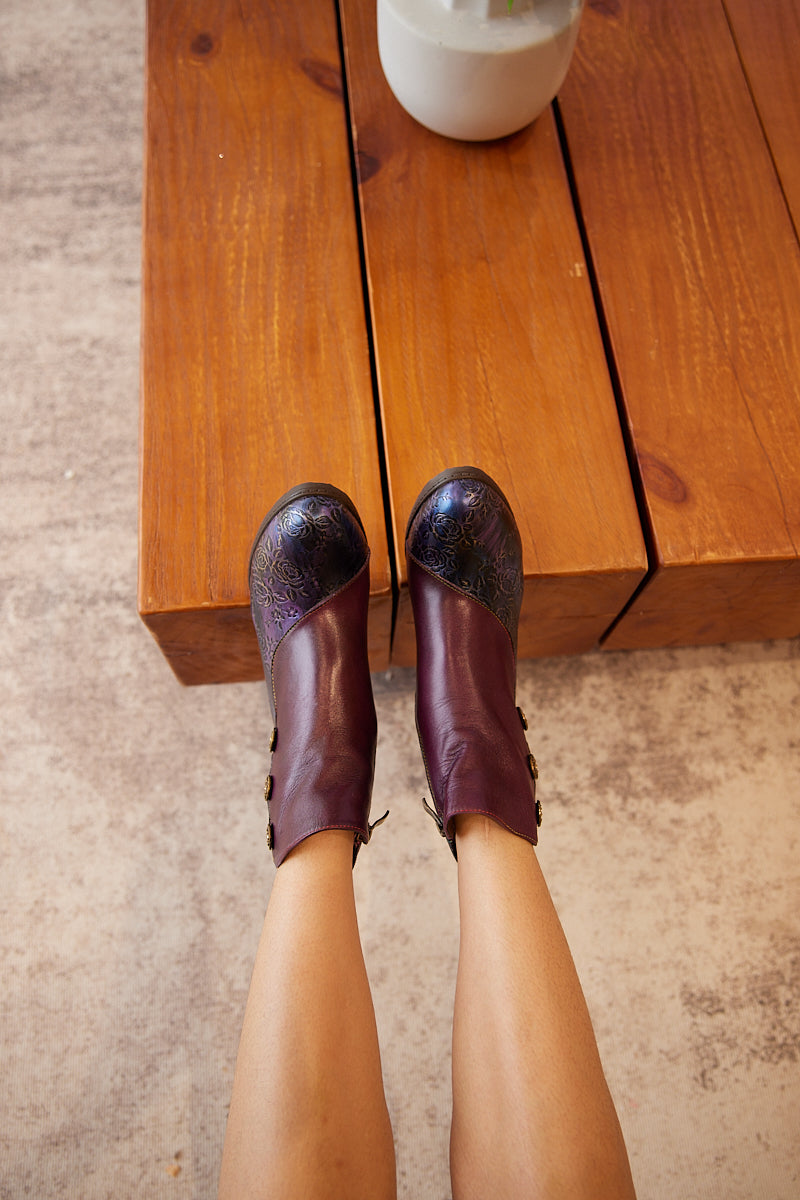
(309, 592)
(465, 577)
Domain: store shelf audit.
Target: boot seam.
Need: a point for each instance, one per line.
(460, 592)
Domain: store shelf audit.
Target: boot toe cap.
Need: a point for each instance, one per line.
(463, 531)
(310, 545)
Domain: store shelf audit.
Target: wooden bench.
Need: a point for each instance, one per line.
(684, 201)
(485, 327)
(255, 357)
(489, 351)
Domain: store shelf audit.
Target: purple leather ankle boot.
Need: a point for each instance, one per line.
(465, 578)
(309, 591)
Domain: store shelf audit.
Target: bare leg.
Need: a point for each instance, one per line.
(308, 1115)
(532, 1114)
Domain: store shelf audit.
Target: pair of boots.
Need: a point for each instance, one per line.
(309, 589)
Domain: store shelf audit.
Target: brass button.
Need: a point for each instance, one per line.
(273, 740)
(538, 813)
(532, 766)
(270, 837)
(268, 788)
(522, 717)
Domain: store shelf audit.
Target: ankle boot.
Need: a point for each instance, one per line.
(465, 577)
(309, 591)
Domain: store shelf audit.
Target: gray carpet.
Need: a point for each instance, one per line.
(134, 871)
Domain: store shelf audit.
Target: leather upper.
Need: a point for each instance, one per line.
(465, 580)
(312, 547)
(309, 591)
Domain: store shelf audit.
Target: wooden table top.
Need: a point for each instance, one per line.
(683, 123)
(601, 311)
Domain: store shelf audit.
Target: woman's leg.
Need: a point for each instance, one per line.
(532, 1114)
(308, 1115)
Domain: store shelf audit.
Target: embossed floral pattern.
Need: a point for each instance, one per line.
(466, 535)
(307, 552)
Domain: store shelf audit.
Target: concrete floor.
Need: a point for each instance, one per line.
(134, 870)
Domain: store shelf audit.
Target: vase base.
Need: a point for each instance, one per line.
(475, 77)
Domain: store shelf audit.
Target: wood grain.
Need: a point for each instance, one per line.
(488, 350)
(699, 275)
(768, 41)
(255, 361)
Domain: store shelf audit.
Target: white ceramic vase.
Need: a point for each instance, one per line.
(471, 69)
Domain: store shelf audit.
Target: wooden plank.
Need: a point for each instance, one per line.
(255, 360)
(768, 40)
(488, 351)
(699, 274)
